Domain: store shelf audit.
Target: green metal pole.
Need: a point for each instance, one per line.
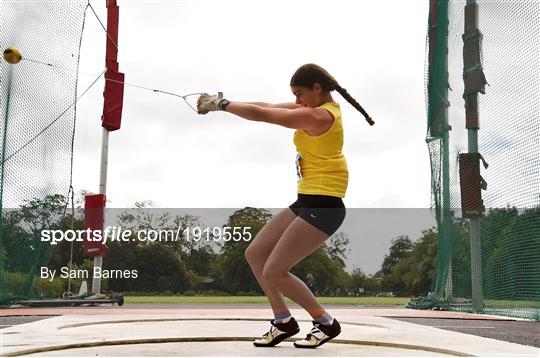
(471, 33)
(439, 131)
(447, 206)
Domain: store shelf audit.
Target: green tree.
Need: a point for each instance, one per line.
(197, 255)
(326, 272)
(21, 248)
(420, 265)
(337, 247)
(358, 279)
(158, 269)
(413, 273)
(400, 249)
(249, 216)
(62, 251)
(231, 269)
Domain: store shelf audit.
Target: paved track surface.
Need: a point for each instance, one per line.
(521, 332)
(165, 329)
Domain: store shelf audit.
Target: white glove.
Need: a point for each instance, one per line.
(208, 103)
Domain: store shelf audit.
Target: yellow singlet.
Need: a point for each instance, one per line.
(320, 165)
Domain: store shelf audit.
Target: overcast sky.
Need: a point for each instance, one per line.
(166, 153)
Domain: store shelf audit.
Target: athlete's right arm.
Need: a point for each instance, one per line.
(288, 105)
(310, 119)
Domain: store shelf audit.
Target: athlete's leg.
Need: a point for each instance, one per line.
(258, 251)
(299, 240)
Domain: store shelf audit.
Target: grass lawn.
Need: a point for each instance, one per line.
(379, 301)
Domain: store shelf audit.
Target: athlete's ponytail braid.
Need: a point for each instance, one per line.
(343, 92)
(309, 74)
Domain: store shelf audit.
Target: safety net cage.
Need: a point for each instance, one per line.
(38, 111)
(483, 138)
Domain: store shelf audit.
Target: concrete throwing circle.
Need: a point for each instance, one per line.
(231, 346)
(111, 339)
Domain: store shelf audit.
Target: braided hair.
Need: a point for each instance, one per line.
(309, 74)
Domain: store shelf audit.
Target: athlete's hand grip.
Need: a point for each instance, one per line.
(209, 103)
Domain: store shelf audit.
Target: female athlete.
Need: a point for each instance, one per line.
(318, 212)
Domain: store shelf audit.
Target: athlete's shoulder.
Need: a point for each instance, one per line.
(330, 104)
(333, 108)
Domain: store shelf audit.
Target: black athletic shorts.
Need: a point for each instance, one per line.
(324, 212)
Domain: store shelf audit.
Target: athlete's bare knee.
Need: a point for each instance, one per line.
(254, 256)
(258, 250)
(274, 273)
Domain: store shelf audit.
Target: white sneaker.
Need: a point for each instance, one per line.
(277, 333)
(319, 335)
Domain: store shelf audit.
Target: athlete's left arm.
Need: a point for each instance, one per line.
(300, 118)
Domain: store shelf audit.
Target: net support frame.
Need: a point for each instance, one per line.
(474, 82)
